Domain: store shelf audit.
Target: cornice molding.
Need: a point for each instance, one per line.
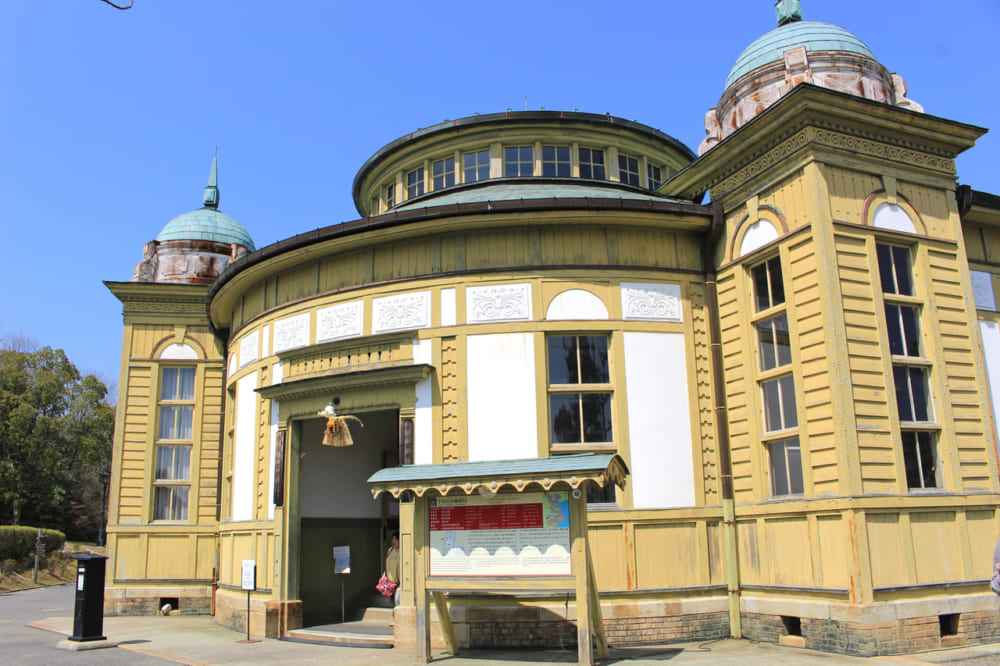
(815, 117)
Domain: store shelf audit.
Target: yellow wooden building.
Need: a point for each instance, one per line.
(795, 374)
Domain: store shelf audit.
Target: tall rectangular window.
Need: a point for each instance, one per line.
(556, 162)
(628, 170)
(775, 379)
(518, 161)
(476, 166)
(415, 183)
(653, 176)
(174, 436)
(579, 389)
(592, 163)
(443, 172)
(390, 195)
(910, 369)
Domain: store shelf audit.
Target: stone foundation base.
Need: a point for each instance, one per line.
(268, 618)
(549, 625)
(878, 629)
(148, 599)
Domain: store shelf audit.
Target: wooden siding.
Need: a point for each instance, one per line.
(656, 550)
(206, 485)
(815, 385)
(248, 541)
(733, 339)
(866, 366)
(135, 443)
(961, 411)
(487, 248)
(350, 356)
(848, 190)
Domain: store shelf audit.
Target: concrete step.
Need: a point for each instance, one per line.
(365, 633)
(377, 615)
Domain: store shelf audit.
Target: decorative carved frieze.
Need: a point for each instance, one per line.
(291, 332)
(833, 139)
(345, 320)
(982, 290)
(402, 312)
(163, 306)
(652, 301)
(502, 302)
(249, 349)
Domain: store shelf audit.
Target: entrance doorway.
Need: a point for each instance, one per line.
(337, 509)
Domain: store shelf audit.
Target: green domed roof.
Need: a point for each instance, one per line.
(206, 224)
(813, 35)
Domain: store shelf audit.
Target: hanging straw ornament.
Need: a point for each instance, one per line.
(337, 432)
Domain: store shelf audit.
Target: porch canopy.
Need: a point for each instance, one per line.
(554, 473)
(562, 479)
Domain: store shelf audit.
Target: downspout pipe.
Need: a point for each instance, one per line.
(722, 419)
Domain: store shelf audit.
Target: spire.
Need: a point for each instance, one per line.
(212, 189)
(788, 11)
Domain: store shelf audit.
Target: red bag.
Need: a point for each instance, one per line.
(386, 587)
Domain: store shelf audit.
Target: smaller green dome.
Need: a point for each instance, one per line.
(813, 35)
(206, 224)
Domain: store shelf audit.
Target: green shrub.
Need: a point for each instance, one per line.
(17, 542)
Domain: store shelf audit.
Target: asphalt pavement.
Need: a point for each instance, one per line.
(34, 622)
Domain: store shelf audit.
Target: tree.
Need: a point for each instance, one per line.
(55, 435)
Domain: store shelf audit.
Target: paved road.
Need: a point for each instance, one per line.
(198, 641)
(20, 644)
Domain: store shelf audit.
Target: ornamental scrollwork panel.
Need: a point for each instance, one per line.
(506, 302)
(651, 301)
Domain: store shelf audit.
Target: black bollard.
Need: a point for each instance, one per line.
(88, 618)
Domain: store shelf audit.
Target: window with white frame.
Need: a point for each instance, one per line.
(174, 438)
(390, 195)
(415, 183)
(556, 162)
(476, 166)
(775, 379)
(592, 163)
(910, 367)
(653, 176)
(628, 170)
(443, 173)
(518, 161)
(579, 381)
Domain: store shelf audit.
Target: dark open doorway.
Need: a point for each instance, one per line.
(337, 509)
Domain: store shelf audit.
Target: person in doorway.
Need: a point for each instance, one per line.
(392, 558)
(995, 581)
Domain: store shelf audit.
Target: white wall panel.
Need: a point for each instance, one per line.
(423, 431)
(990, 333)
(244, 447)
(659, 420)
(501, 397)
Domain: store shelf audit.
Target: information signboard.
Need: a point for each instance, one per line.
(524, 534)
(249, 575)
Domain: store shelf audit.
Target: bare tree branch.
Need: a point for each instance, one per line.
(128, 6)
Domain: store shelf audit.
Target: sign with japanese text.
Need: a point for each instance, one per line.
(525, 534)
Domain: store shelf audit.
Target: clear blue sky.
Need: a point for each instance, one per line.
(109, 119)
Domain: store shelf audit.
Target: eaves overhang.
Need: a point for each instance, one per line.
(557, 472)
(160, 299)
(847, 121)
(978, 207)
(329, 383)
(694, 217)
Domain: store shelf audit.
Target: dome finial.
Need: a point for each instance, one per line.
(212, 189)
(788, 11)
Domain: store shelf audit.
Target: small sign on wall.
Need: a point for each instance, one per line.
(341, 559)
(249, 575)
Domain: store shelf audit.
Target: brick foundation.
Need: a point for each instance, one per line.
(146, 600)
(869, 639)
